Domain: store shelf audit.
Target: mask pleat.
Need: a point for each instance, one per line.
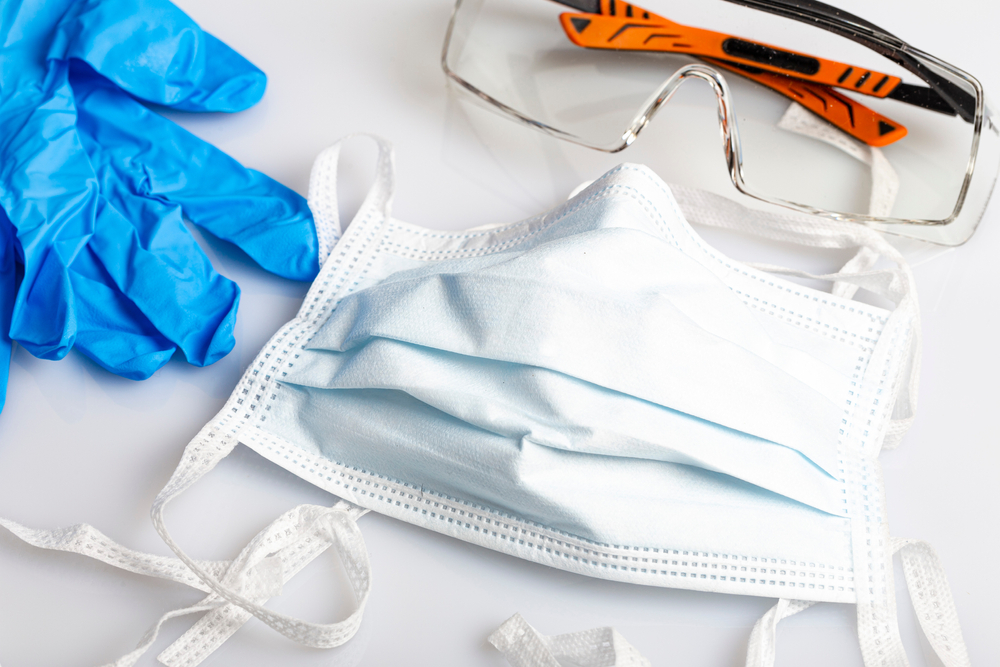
(551, 409)
(620, 310)
(592, 496)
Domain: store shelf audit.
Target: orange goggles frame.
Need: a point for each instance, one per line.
(803, 78)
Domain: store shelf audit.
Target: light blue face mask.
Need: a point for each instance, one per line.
(594, 389)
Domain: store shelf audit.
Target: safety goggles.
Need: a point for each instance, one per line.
(820, 111)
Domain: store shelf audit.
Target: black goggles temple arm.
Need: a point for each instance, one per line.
(943, 96)
(950, 98)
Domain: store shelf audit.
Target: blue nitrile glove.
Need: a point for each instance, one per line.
(8, 288)
(94, 183)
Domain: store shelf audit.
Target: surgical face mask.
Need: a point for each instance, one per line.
(595, 389)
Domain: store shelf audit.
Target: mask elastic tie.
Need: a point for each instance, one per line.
(523, 646)
(323, 190)
(129, 659)
(323, 203)
(762, 646)
(199, 457)
(215, 627)
(301, 541)
(716, 211)
(932, 601)
(86, 540)
(884, 180)
(863, 261)
(707, 208)
(276, 555)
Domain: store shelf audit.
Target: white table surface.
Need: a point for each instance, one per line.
(78, 444)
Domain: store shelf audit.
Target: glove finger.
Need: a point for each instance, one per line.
(172, 290)
(53, 197)
(111, 330)
(156, 52)
(49, 193)
(139, 153)
(154, 261)
(8, 290)
(44, 317)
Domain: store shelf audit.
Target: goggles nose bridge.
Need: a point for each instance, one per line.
(728, 126)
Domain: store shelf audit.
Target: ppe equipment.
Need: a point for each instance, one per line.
(596, 75)
(595, 389)
(95, 184)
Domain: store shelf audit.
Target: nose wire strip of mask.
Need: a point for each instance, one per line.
(240, 586)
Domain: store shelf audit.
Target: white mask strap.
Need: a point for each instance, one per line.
(323, 190)
(273, 557)
(864, 260)
(896, 284)
(335, 525)
(884, 180)
(762, 647)
(523, 646)
(86, 540)
(238, 588)
(932, 601)
(307, 541)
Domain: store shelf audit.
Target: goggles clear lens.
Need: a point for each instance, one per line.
(812, 120)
